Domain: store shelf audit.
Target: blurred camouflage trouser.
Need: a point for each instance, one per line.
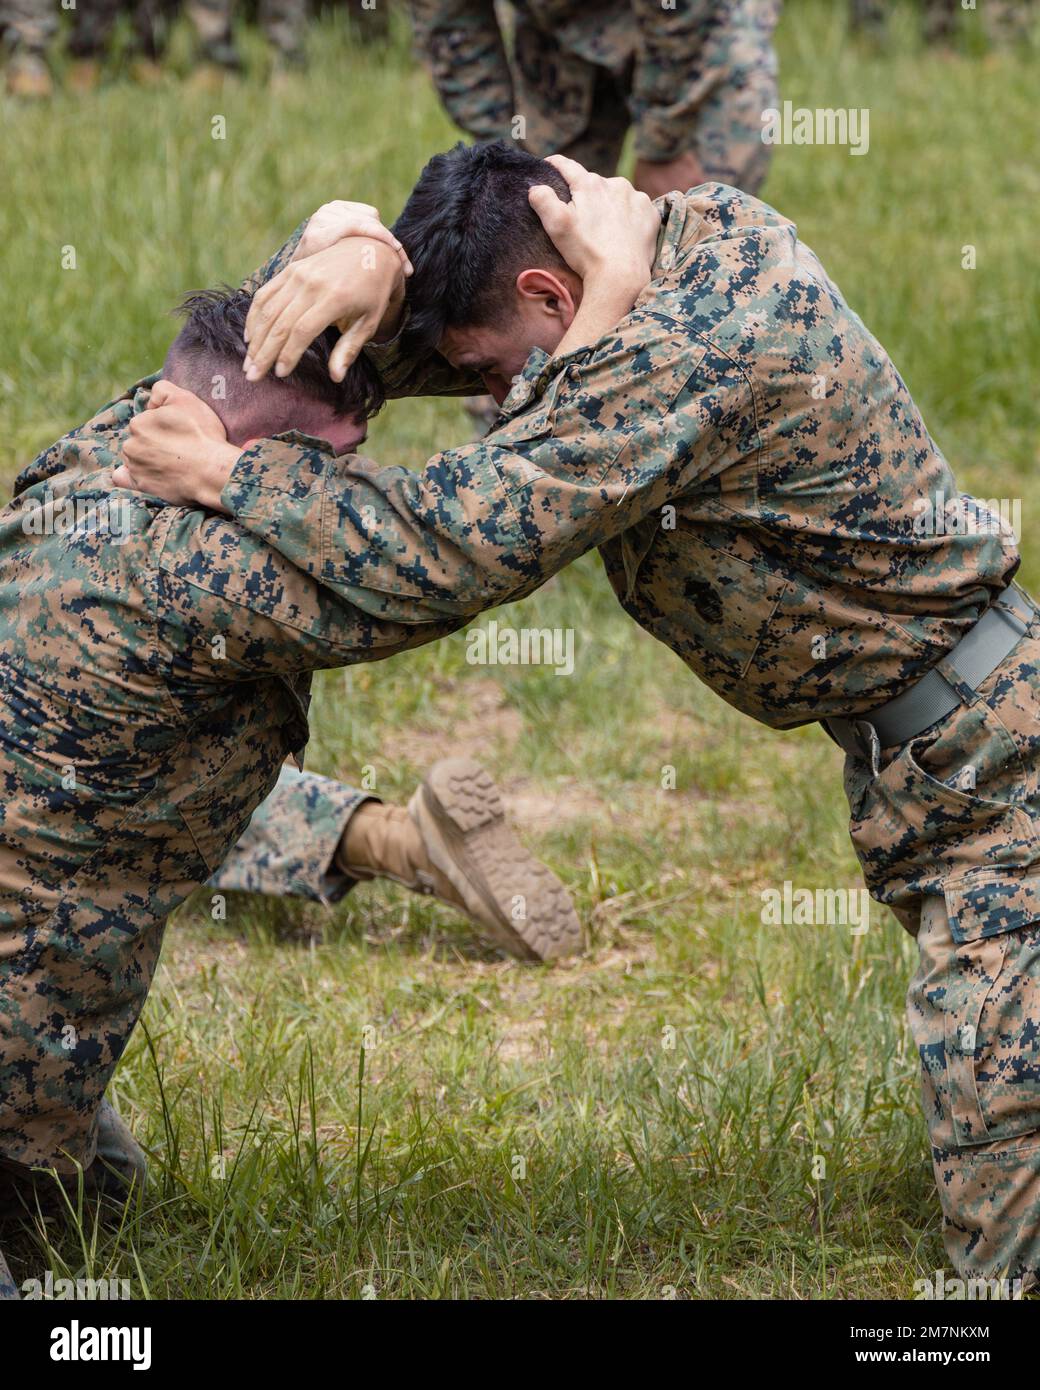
(554, 87)
(288, 846)
(211, 20)
(95, 20)
(29, 25)
(369, 21)
(283, 22)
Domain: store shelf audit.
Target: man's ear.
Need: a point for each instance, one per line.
(549, 293)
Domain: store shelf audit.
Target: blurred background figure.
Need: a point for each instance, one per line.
(691, 79)
(212, 21)
(941, 19)
(91, 37)
(284, 24)
(369, 19)
(28, 28)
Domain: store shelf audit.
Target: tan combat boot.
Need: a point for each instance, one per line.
(453, 842)
(28, 76)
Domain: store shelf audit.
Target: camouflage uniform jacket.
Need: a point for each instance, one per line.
(677, 59)
(153, 679)
(755, 473)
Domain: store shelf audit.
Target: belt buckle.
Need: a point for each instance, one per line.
(868, 743)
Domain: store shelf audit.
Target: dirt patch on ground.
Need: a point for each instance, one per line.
(483, 720)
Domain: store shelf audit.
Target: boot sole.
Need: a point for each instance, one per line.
(532, 909)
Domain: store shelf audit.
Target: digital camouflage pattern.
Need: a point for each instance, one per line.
(974, 1006)
(28, 26)
(283, 23)
(758, 480)
(8, 1288)
(693, 76)
(94, 21)
(290, 844)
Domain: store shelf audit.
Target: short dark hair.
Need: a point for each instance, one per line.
(469, 231)
(213, 333)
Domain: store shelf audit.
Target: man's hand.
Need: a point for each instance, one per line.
(356, 285)
(334, 221)
(607, 234)
(656, 178)
(608, 231)
(177, 450)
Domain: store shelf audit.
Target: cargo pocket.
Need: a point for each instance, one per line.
(216, 810)
(992, 1013)
(712, 608)
(921, 819)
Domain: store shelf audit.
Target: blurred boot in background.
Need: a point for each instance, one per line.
(28, 29)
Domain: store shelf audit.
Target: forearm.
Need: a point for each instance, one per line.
(403, 547)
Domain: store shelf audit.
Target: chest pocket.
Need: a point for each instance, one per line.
(710, 607)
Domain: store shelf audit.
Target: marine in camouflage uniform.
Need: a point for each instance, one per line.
(693, 77)
(92, 28)
(284, 23)
(212, 21)
(28, 28)
(151, 692)
(754, 472)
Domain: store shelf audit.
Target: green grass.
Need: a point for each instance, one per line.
(642, 1121)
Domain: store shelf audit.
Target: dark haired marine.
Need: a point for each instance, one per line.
(758, 481)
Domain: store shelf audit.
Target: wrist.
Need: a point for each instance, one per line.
(391, 320)
(617, 288)
(218, 463)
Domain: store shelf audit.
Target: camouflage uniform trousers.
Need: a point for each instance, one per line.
(726, 133)
(283, 22)
(288, 847)
(974, 1002)
(576, 77)
(29, 26)
(96, 19)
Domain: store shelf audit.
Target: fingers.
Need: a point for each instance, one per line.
(344, 205)
(344, 354)
(367, 227)
(571, 170)
(552, 211)
(274, 319)
(257, 315)
(378, 232)
(165, 393)
(122, 477)
(301, 333)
